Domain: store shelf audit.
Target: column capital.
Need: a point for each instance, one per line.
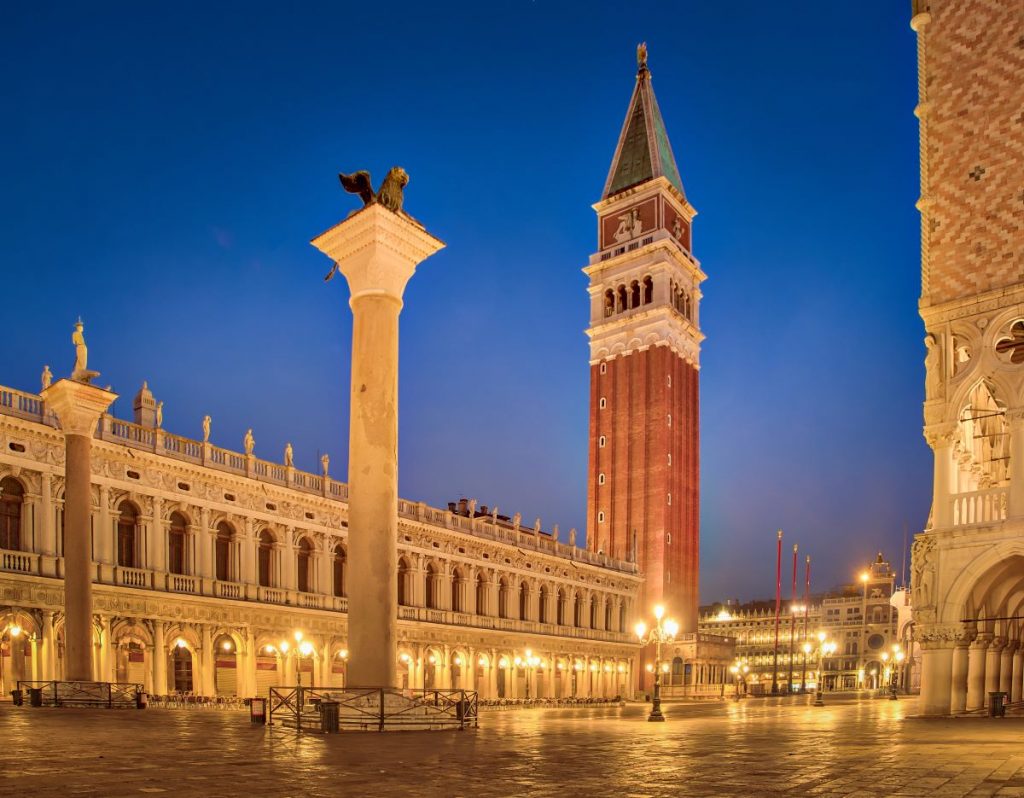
(78, 405)
(940, 434)
(936, 636)
(377, 250)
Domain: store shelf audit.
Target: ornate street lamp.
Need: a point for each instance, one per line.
(892, 671)
(739, 671)
(664, 631)
(825, 650)
(529, 663)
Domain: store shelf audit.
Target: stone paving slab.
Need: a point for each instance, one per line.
(859, 747)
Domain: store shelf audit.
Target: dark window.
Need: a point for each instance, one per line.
(225, 538)
(524, 601)
(12, 495)
(303, 557)
(458, 586)
(182, 669)
(560, 608)
(503, 599)
(432, 586)
(127, 536)
(481, 595)
(403, 582)
(265, 554)
(176, 544)
(542, 614)
(339, 571)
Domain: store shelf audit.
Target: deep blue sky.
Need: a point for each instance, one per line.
(164, 170)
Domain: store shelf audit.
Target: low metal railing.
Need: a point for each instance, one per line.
(112, 695)
(373, 708)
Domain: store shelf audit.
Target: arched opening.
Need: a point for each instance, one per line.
(431, 586)
(524, 601)
(303, 558)
(224, 546)
(431, 665)
(577, 611)
(176, 533)
(608, 615)
(127, 535)
(623, 302)
(481, 595)
(560, 608)
(634, 294)
(622, 617)
(403, 582)
(265, 558)
(648, 290)
(593, 613)
(340, 563)
(542, 605)
(12, 497)
(181, 669)
(225, 674)
(458, 590)
(609, 303)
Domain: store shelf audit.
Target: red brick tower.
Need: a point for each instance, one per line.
(643, 488)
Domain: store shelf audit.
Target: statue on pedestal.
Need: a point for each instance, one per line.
(47, 377)
(288, 455)
(249, 441)
(81, 372)
(554, 533)
(572, 536)
(159, 414)
(206, 429)
(325, 462)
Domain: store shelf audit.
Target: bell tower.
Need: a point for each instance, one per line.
(643, 485)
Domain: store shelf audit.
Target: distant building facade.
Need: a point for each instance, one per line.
(859, 618)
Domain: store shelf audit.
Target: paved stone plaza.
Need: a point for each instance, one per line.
(850, 748)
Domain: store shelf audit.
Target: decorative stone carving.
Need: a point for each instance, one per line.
(934, 387)
(288, 455)
(922, 559)
(81, 371)
(325, 463)
(46, 378)
(206, 429)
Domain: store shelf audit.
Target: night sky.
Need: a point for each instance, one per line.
(165, 169)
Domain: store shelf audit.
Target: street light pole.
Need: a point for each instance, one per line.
(663, 632)
(824, 650)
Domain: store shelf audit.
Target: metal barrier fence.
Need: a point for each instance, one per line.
(372, 709)
(112, 695)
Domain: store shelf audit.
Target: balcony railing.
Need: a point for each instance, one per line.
(980, 506)
(21, 562)
(229, 590)
(132, 577)
(454, 618)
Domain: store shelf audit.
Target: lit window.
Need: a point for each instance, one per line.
(604, 403)
(604, 368)
(670, 419)
(668, 538)
(670, 458)
(601, 441)
(600, 517)
(669, 380)
(600, 479)
(670, 498)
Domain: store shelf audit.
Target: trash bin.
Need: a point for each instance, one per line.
(141, 699)
(258, 710)
(329, 720)
(35, 696)
(16, 698)
(997, 705)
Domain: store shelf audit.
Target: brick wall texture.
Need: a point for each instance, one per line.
(971, 56)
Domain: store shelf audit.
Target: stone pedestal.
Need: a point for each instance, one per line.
(78, 406)
(377, 250)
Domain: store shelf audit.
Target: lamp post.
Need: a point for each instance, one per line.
(664, 631)
(302, 648)
(739, 671)
(825, 650)
(10, 634)
(529, 662)
(892, 670)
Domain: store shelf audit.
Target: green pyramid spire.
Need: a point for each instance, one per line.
(643, 152)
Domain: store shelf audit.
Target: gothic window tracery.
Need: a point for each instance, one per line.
(1011, 346)
(982, 446)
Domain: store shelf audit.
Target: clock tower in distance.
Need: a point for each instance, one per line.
(643, 485)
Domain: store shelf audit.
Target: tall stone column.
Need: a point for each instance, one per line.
(1006, 667)
(940, 438)
(937, 671)
(958, 694)
(976, 672)
(78, 406)
(993, 659)
(377, 250)
(1018, 667)
(159, 659)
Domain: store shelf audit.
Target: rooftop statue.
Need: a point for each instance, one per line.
(206, 428)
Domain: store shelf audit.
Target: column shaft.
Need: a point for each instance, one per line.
(77, 559)
(958, 700)
(373, 492)
(976, 676)
(937, 671)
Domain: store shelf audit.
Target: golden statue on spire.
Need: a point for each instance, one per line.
(641, 55)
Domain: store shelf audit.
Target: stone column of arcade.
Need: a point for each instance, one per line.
(377, 249)
(78, 406)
